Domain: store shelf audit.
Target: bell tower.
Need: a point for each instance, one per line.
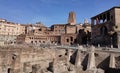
(72, 18)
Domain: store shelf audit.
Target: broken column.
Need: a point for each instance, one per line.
(78, 59)
(68, 55)
(91, 59)
(54, 65)
(112, 61)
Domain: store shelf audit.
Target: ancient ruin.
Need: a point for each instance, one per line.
(34, 59)
(106, 26)
(62, 48)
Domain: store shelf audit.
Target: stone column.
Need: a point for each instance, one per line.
(54, 65)
(68, 56)
(106, 17)
(91, 59)
(92, 22)
(78, 59)
(112, 61)
(118, 39)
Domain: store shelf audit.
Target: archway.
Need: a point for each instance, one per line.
(103, 30)
(115, 40)
(9, 70)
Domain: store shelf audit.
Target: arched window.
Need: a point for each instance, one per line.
(9, 70)
(71, 38)
(67, 40)
(103, 30)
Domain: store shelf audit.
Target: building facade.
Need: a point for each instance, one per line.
(63, 34)
(9, 31)
(106, 28)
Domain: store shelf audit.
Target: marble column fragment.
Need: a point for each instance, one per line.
(91, 59)
(78, 59)
(112, 61)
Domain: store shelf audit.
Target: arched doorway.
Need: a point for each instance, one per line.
(9, 70)
(103, 30)
(115, 40)
(105, 38)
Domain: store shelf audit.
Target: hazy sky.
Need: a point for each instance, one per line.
(52, 11)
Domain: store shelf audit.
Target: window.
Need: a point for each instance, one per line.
(39, 41)
(32, 42)
(43, 41)
(67, 40)
(71, 38)
(40, 29)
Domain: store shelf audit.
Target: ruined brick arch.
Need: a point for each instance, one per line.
(103, 30)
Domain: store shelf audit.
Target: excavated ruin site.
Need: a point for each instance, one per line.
(29, 59)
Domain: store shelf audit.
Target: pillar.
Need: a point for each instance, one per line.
(54, 65)
(78, 59)
(118, 39)
(69, 55)
(106, 17)
(92, 22)
(91, 59)
(112, 61)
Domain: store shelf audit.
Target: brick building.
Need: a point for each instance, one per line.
(64, 34)
(105, 28)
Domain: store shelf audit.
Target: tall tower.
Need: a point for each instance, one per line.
(72, 18)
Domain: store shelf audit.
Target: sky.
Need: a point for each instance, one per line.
(51, 12)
